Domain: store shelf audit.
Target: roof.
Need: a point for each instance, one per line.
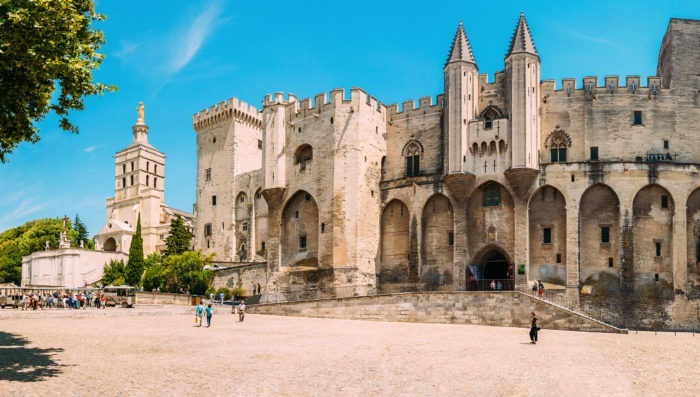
(521, 42)
(116, 226)
(461, 50)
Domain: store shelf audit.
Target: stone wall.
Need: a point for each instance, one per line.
(243, 275)
(507, 309)
(162, 298)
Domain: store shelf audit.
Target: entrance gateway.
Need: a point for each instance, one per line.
(491, 265)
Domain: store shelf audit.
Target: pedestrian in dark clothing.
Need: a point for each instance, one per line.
(208, 311)
(259, 289)
(533, 328)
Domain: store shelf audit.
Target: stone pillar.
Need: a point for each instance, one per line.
(274, 215)
(460, 246)
(520, 247)
(572, 247)
(679, 248)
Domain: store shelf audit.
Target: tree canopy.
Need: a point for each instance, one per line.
(179, 238)
(178, 273)
(81, 234)
(23, 240)
(135, 265)
(48, 51)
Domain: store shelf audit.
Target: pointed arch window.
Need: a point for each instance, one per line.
(558, 141)
(413, 159)
(492, 195)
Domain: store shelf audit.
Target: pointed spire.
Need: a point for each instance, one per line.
(521, 42)
(460, 50)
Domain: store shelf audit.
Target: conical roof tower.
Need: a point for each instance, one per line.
(460, 50)
(521, 42)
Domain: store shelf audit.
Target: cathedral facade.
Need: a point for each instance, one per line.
(591, 188)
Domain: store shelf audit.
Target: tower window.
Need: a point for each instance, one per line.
(123, 168)
(132, 180)
(296, 214)
(155, 168)
(132, 165)
(155, 182)
(413, 160)
(557, 148)
(207, 229)
(664, 201)
(488, 124)
(123, 182)
(148, 164)
(147, 180)
(605, 234)
(594, 153)
(666, 144)
(558, 258)
(547, 235)
(657, 245)
(213, 200)
(610, 262)
(302, 243)
(244, 227)
(259, 144)
(207, 174)
(323, 228)
(637, 117)
(492, 195)
(451, 238)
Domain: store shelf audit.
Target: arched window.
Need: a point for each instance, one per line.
(413, 159)
(492, 195)
(557, 142)
(489, 114)
(303, 155)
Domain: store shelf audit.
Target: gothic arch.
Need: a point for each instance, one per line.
(412, 147)
(547, 235)
(260, 229)
(492, 262)
(653, 209)
(395, 245)
(599, 231)
(558, 138)
(490, 217)
(437, 245)
(299, 232)
(693, 235)
(491, 112)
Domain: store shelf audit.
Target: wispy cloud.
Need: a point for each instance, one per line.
(126, 49)
(21, 211)
(91, 149)
(187, 42)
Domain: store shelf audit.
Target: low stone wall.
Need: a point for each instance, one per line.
(162, 298)
(506, 309)
(241, 275)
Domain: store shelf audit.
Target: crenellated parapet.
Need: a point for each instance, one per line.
(590, 87)
(336, 100)
(230, 109)
(409, 109)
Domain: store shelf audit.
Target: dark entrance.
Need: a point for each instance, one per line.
(491, 267)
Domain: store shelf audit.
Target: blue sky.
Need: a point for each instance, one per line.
(180, 57)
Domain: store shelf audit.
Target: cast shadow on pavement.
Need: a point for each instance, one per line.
(25, 364)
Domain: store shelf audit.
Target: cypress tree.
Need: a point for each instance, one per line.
(82, 232)
(179, 238)
(135, 265)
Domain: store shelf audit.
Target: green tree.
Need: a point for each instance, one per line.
(48, 51)
(114, 273)
(179, 238)
(154, 275)
(136, 263)
(185, 272)
(25, 239)
(81, 233)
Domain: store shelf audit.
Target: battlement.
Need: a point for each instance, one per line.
(409, 109)
(611, 86)
(232, 108)
(337, 98)
(497, 81)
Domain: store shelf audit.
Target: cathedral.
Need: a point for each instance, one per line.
(590, 187)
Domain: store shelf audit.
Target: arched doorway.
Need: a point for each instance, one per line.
(491, 265)
(110, 245)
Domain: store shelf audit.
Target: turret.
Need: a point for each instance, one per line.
(461, 82)
(522, 96)
(274, 141)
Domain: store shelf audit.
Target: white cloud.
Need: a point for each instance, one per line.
(90, 149)
(186, 43)
(20, 212)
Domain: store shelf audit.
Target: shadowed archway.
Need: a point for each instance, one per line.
(491, 264)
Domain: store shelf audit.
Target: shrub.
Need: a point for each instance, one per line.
(226, 291)
(238, 292)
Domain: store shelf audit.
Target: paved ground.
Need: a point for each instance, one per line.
(157, 351)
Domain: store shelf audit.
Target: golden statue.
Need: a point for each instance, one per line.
(139, 112)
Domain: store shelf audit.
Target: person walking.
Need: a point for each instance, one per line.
(103, 300)
(534, 289)
(259, 289)
(241, 311)
(198, 313)
(493, 285)
(209, 312)
(534, 327)
(255, 289)
(540, 290)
